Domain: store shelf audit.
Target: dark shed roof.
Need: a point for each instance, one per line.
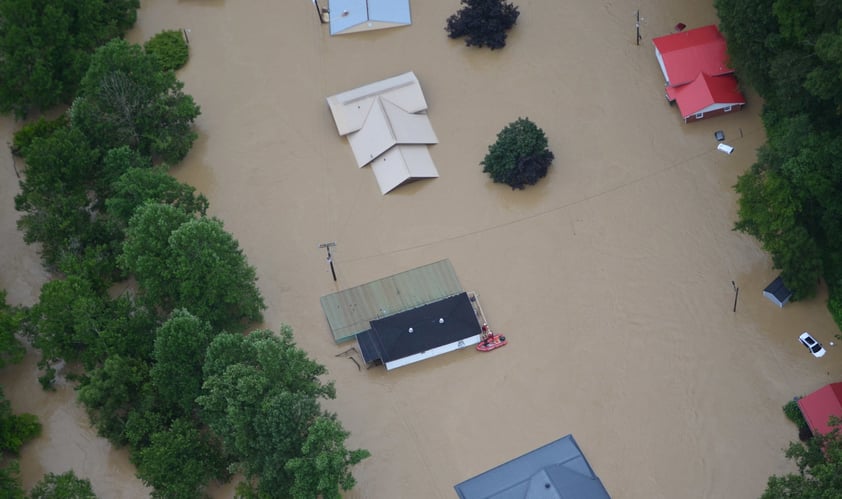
(557, 470)
(777, 292)
(389, 338)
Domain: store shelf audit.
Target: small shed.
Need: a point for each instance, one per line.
(353, 16)
(777, 292)
(820, 405)
(558, 470)
(421, 333)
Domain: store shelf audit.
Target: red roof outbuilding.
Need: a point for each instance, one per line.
(818, 406)
(684, 55)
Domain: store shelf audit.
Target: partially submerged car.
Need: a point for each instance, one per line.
(812, 345)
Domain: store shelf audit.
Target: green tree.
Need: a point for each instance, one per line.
(170, 48)
(64, 486)
(483, 23)
(126, 99)
(110, 393)
(325, 464)
(66, 321)
(38, 129)
(261, 398)
(15, 429)
(10, 483)
(180, 462)
(11, 349)
(179, 357)
(138, 186)
(54, 197)
(520, 156)
(147, 253)
(45, 47)
(182, 262)
(212, 277)
(819, 462)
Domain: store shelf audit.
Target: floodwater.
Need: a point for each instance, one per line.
(612, 278)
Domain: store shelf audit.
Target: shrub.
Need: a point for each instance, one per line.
(38, 129)
(520, 156)
(64, 486)
(483, 23)
(793, 413)
(170, 49)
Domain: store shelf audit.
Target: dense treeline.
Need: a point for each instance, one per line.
(165, 367)
(790, 51)
(45, 46)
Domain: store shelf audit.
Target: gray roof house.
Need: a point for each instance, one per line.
(557, 470)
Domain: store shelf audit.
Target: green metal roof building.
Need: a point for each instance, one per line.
(349, 311)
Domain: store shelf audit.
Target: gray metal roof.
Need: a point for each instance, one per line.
(350, 311)
(557, 470)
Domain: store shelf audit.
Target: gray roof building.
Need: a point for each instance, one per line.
(557, 470)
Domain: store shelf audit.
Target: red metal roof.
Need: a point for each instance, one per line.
(688, 53)
(818, 406)
(706, 93)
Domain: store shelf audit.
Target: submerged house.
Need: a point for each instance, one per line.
(695, 67)
(353, 16)
(406, 317)
(387, 127)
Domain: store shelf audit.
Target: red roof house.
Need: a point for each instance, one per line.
(695, 67)
(818, 406)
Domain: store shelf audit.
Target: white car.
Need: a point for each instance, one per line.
(812, 345)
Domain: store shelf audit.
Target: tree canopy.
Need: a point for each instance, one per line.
(184, 262)
(45, 46)
(520, 156)
(11, 349)
(180, 461)
(54, 196)
(483, 23)
(261, 398)
(64, 486)
(127, 99)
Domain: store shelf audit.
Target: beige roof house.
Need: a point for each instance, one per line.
(386, 127)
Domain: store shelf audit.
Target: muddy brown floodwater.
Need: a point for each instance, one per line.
(611, 277)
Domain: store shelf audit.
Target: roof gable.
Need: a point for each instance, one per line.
(685, 54)
(402, 164)
(706, 91)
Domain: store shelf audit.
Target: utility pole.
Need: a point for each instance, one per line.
(637, 26)
(736, 294)
(329, 257)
